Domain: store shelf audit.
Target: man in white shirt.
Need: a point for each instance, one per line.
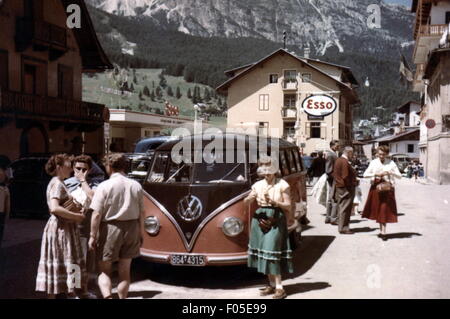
(116, 225)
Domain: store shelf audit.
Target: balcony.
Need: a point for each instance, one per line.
(427, 39)
(27, 105)
(289, 113)
(42, 35)
(289, 85)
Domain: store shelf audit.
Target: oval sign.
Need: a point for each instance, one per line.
(319, 105)
(430, 124)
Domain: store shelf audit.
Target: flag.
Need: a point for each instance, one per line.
(406, 75)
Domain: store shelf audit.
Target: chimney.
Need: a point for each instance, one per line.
(307, 52)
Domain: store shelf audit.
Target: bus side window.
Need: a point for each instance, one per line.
(284, 167)
(292, 163)
(298, 160)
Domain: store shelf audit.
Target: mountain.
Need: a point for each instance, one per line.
(318, 24)
(134, 35)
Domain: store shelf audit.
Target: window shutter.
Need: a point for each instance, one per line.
(4, 69)
(323, 131)
(266, 102)
(308, 130)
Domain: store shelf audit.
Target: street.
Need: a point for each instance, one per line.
(412, 263)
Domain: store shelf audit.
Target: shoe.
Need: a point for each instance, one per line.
(346, 232)
(383, 237)
(279, 294)
(267, 291)
(334, 223)
(327, 221)
(88, 295)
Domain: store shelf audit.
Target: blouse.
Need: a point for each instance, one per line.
(275, 191)
(377, 167)
(56, 190)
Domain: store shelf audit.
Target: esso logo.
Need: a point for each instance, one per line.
(319, 105)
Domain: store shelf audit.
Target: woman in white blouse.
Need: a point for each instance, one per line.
(381, 205)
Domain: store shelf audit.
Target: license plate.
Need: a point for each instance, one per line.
(187, 260)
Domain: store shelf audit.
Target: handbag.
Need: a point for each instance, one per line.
(384, 187)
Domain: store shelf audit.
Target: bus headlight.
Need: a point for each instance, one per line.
(152, 225)
(232, 226)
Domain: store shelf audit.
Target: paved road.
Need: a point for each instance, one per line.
(413, 263)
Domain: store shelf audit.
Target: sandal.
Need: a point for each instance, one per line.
(280, 294)
(267, 291)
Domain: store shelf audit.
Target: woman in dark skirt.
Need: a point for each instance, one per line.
(269, 248)
(381, 205)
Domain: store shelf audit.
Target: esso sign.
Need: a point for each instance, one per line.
(319, 105)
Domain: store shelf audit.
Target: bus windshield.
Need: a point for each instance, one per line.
(164, 170)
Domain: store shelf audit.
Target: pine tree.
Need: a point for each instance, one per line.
(159, 93)
(162, 80)
(189, 93)
(207, 95)
(146, 91)
(178, 94)
(153, 84)
(152, 95)
(169, 91)
(132, 88)
(140, 96)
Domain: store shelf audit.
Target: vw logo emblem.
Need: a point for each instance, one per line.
(190, 208)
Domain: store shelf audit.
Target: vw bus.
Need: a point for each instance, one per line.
(194, 210)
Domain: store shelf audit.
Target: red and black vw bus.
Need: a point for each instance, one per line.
(194, 210)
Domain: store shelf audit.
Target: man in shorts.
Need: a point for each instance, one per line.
(116, 225)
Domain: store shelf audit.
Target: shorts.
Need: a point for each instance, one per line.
(119, 240)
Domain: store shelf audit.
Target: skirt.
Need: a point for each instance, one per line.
(62, 267)
(381, 207)
(270, 253)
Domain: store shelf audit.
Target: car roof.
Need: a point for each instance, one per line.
(142, 145)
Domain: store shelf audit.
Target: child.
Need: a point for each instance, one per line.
(4, 202)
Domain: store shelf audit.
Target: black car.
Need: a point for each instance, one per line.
(28, 187)
(142, 156)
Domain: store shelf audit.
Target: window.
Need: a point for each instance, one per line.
(4, 69)
(263, 128)
(447, 17)
(65, 82)
(289, 129)
(290, 101)
(315, 130)
(410, 148)
(290, 75)
(291, 160)
(284, 164)
(298, 160)
(273, 78)
(306, 77)
(264, 102)
(29, 79)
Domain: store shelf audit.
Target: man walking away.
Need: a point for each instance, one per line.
(345, 182)
(331, 157)
(117, 211)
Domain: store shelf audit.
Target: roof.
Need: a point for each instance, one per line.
(393, 138)
(224, 86)
(92, 54)
(347, 70)
(402, 108)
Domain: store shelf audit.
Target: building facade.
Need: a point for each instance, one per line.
(268, 95)
(41, 63)
(432, 80)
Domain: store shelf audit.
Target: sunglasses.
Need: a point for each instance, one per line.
(81, 169)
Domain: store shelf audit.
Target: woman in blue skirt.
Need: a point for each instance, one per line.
(269, 249)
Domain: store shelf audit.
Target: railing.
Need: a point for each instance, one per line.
(289, 113)
(289, 84)
(45, 33)
(27, 104)
(432, 29)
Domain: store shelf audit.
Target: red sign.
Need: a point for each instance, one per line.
(430, 123)
(319, 105)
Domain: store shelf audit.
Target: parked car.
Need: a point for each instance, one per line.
(28, 187)
(402, 161)
(142, 156)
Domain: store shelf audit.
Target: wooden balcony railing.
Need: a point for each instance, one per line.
(50, 107)
(40, 33)
(289, 113)
(432, 29)
(289, 85)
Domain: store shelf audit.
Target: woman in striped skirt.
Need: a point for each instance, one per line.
(61, 266)
(269, 248)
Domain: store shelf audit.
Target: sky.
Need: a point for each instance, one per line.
(404, 2)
